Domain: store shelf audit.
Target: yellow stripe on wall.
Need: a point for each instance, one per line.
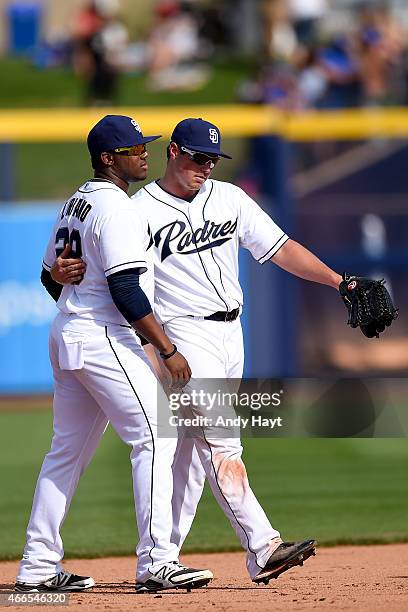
(348, 124)
(72, 125)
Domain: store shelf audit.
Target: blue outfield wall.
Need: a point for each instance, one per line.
(27, 310)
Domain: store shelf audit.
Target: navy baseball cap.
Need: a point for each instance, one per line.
(115, 131)
(199, 135)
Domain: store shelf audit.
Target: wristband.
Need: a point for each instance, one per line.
(173, 352)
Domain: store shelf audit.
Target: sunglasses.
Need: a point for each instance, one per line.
(135, 150)
(202, 159)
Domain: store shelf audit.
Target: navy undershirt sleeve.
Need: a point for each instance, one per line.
(53, 288)
(127, 295)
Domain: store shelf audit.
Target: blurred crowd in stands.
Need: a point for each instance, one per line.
(175, 54)
(306, 66)
(299, 62)
(99, 43)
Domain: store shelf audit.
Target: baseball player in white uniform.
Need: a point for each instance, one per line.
(101, 372)
(194, 227)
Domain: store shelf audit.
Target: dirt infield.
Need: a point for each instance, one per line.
(360, 578)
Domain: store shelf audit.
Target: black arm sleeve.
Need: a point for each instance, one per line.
(127, 295)
(53, 288)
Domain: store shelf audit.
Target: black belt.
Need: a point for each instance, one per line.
(223, 315)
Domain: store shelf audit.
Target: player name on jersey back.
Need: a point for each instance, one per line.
(103, 227)
(77, 207)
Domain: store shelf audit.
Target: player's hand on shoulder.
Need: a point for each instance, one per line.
(66, 271)
(179, 370)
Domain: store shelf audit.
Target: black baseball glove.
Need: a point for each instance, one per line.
(368, 303)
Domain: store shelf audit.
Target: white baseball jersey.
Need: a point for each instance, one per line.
(195, 250)
(101, 374)
(196, 246)
(104, 228)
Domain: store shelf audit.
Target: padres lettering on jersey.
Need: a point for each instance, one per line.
(176, 237)
(195, 246)
(103, 227)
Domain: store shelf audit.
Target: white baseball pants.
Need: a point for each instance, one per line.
(215, 350)
(101, 374)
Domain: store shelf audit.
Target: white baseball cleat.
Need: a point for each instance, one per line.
(64, 581)
(173, 575)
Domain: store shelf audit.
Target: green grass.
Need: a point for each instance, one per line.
(340, 491)
(54, 171)
(28, 87)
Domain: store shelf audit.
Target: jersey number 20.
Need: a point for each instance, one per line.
(63, 238)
